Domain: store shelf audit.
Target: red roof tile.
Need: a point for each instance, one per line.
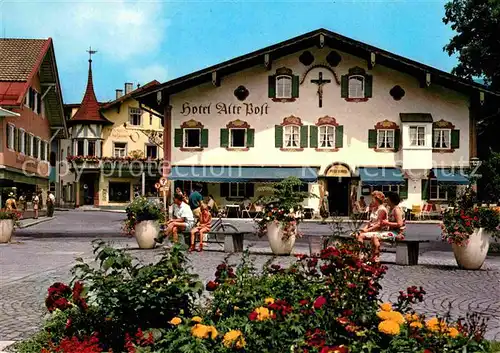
(89, 110)
(18, 57)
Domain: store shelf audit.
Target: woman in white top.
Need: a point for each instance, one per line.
(377, 218)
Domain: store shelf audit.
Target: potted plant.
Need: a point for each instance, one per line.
(143, 221)
(281, 214)
(469, 228)
(8, 219)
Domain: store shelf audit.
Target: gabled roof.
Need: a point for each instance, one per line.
(89, 111)
(308, 40)
(130, 94)
(18, 57)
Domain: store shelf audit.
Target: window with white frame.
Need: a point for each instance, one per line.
(80, 148)
(152, 151)
(43, 151)
(442, 139)
(36, 147)
(291, 136)
(437, 192)
(237, 190)
(135, 116)
(35, 101)
(192, 138)
(284, 86)
(91, 148)
(27, 144)
(237, 137)
(120, 149)
(385, 139)
(30, 148)
(10, 136)
(356, 86)
(417, 135)
(22, 141)
(326, 136)
(27, 99)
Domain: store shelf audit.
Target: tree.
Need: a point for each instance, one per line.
(489, 181)
(477, 44)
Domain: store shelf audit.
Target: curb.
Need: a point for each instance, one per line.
(102, 210)
(35, 222)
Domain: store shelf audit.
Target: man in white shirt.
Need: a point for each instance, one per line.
(183, 220)
(51, 200)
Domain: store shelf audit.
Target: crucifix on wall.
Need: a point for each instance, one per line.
(320, 82)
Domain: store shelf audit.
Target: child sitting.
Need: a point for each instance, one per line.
(203, 226)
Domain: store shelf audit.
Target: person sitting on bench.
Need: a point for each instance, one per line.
(375, 226)
(183, 220)
(396, 221)
(203, 227)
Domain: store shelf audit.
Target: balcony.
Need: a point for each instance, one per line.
(417, 144)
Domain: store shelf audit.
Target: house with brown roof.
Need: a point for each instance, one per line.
(30, 88)
(114, 149)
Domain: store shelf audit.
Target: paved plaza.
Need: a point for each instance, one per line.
(44, 253)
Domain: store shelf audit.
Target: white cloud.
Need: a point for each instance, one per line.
(149, 73)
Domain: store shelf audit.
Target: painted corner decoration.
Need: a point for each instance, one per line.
(238, 124)
(191, 124)
(291, 120)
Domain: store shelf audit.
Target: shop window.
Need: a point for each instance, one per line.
(437, 192)
(119, 149)
(119, 192)
(151, 151)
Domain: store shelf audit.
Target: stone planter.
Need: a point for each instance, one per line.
(472, 255)
(145, 234)
(6, 229)
(279, 246)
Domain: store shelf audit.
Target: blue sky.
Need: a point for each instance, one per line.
(138, 41)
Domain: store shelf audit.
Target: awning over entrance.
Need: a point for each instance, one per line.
(241, 174)
(381, 176)
(448, 176)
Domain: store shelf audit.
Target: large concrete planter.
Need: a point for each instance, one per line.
(145, 234)
(279, 246)
(6, 230)
(472, 255)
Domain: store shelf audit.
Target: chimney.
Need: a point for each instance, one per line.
(119, 93)
(129, 87)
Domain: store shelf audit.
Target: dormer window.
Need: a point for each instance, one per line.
(356, 86)
(284, 85)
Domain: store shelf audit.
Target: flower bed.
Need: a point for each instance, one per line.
(327, 303)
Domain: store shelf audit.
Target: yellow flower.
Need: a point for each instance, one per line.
(269, 301)
(386, 307)
(197, 319)
(213, 332)
(234, 337)
(263, 313)
(200, 331)
(384, 315)
(389, 327)
(397, 317)
(453, 332)
(416, 324)
(411, 317)
(175, 321)
(435, 325)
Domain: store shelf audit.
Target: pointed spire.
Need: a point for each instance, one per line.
(89, 110)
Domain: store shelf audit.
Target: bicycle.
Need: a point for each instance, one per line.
(220, 226)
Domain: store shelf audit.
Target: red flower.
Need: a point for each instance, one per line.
(253, 316)
(335, 349)
(319, 302)
(304, 302)
(211, 286)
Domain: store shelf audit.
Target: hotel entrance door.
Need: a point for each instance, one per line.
(338, 178)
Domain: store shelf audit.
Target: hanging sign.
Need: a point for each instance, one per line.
(338, 170)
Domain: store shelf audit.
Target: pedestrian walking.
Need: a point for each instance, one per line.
(23, 202)
(51, 200)
(324, 209)
(10, 204)
(36, 201)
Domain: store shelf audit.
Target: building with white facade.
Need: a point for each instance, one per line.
(343, 116)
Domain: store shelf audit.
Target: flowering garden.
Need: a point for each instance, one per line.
(324, 303)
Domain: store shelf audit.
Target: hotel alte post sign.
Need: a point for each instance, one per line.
(339, 171)
(222, 108)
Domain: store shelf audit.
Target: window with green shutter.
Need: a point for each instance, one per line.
(357, 85)
(455, 139)
(283, 86)
(237, 134)
(224, 137)
(278, 136)
(339, 136)
(425, 189)
(250, 137)
(191, 135)
(444, 136)
(313, 136)
(304, 134)
(372, 138)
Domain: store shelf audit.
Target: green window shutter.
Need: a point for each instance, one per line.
(224, 137)
(425, 189)
(250, 137)
(339, 136)
(278, 136)
(372, 138)
(313, 136)
(397, 139)
(295, 86)
(455, 139)
(368, 86)
(224, 189)
(204, 138)
(403, 190)
(178, 136)
(272, 86)
(344, 86)
(249, 190)
(304, 135)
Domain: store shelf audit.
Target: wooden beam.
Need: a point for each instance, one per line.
(267, 61)
(321, 40)
(371, 62)
(425, 81)
(215, 79)
(150, 111)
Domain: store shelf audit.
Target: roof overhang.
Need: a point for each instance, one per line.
(7, 113)
(320, 37)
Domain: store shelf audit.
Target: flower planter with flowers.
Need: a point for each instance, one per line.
(8, 220)
(468, 229)
(143, 221)
(279, 221)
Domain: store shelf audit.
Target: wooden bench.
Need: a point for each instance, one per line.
(233, 241)
(407, 250)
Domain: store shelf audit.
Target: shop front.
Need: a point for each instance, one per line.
(337, 182)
